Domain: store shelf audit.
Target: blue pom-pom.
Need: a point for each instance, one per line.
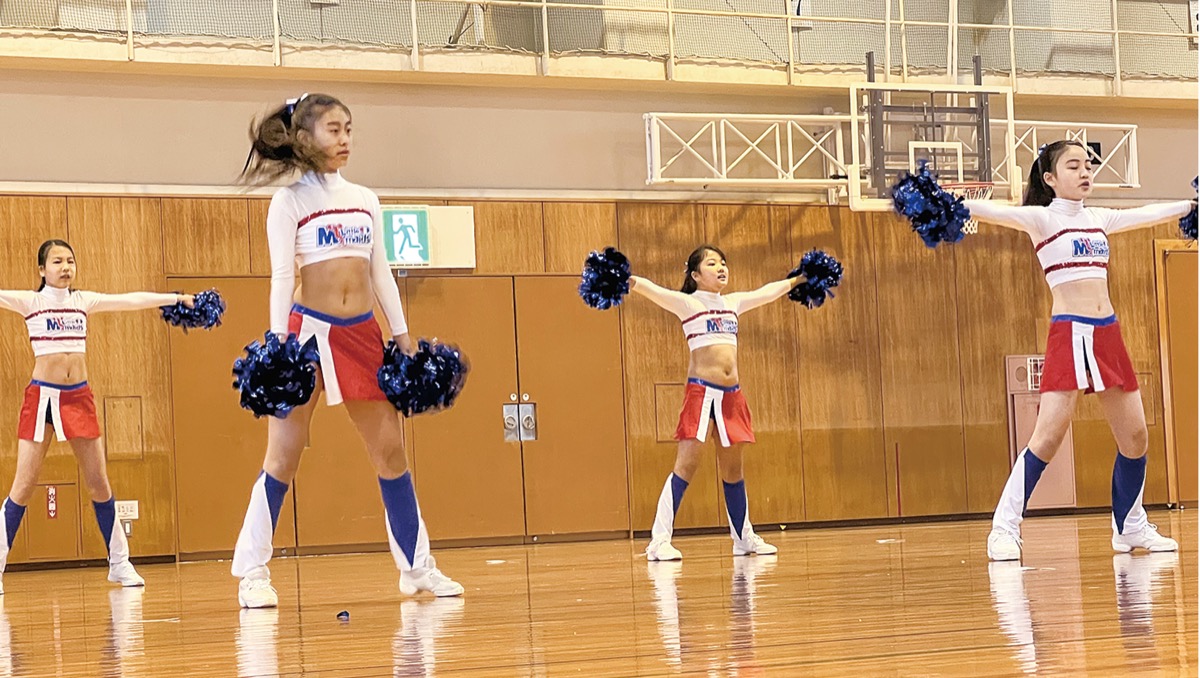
(1187, 225)
(936, 214)
(205, 313)
(274, 377)
(821, 274)
(430, 379)
(605, 279)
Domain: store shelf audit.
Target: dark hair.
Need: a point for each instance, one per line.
(44, 254)
(1038, 192)
(276, 146)
(693, 265)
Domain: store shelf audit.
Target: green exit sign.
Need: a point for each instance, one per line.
(406, 236)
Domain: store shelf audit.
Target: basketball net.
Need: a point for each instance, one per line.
(970, 190)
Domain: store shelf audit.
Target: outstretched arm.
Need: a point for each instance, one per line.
(1009, 216)
(675, 302)
(1116, 221)
(95, 302)
(20, 301)
(745, 301)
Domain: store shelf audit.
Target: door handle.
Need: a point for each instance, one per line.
(528, 414)
(510, 414)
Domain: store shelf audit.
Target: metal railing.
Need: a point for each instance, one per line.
(672, 31)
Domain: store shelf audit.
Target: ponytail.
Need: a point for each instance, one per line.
(277, 148)
(1037, 191)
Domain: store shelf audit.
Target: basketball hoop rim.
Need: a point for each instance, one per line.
(967, 184)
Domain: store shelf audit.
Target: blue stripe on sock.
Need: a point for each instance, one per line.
(735, 503)
(1033, 472)
(276, 491)
(400, 502)
(13, 513)
(1129, 475)
(106, 515)
(678, 487)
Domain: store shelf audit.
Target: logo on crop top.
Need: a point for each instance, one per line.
(721, 325)
(1087, 247)
(60, 324)
(342, 235)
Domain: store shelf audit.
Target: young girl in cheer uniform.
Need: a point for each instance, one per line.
(58, 400)
(712, 400)
(333, 229)
(1084, 350)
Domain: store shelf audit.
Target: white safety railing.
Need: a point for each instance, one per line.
(660, 30)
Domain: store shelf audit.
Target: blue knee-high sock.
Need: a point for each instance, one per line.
(13, 514)
(735, 504)
(678, 487)
(106, 515)
(1129, 477)
(404, 520)
(1033, 473)
(275, 490)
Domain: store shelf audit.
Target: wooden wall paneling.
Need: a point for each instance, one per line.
(509, 237)
(994, 282)
(759, 251)
(219, 447)
(922, 394)
(573, 229)
(260, 254)
(569, 364)
(846, 471)
(207, 237)
(118, 246)
(1180, 341)
(26, 223)
(469, 480)
(658, 238)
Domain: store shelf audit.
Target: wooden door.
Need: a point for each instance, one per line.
(468, 478)
(569, 360)
(219, 447)
(1182, 341)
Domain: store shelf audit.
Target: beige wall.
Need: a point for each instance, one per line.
(117, 128)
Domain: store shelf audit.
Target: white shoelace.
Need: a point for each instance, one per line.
(1010, 533)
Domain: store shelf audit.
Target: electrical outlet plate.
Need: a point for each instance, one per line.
(127, 510)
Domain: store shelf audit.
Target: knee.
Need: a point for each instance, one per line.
(731, 468)
(1136, 443)
(390, 461)
(21, 492)
(686, 465)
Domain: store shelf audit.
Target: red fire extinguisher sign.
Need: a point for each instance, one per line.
(51, 502)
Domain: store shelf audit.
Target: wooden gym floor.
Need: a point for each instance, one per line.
(870, 601)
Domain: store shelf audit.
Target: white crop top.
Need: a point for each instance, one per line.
(57, 319)
(322, 217)
(709, 318)
(1071, 240)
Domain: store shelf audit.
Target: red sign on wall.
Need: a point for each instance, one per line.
(51, 502)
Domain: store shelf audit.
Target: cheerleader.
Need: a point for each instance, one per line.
(331, 229)
(58, 400)
(712, 399)
(1084, 350)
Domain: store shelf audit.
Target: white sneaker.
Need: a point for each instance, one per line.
(123, 573)
(661, 549)
(429, 579)
(753, 544)
(1003, 545)
(255, 590)
(1146, 538)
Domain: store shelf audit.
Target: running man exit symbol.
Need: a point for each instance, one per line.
(406, 236)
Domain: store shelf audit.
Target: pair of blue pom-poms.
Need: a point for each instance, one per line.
(277, 376)
(605, 278)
